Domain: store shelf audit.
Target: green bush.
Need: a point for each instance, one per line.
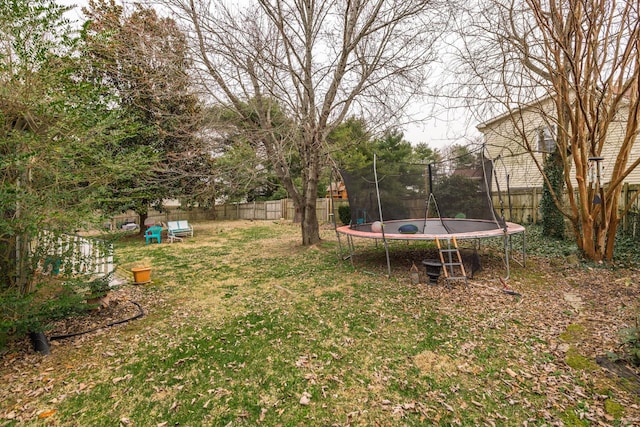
(344, 213)
(631, 342)
(552, 219)
(51, 301)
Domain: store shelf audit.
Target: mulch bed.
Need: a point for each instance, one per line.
(117, 307)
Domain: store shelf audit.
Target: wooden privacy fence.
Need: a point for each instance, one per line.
(276, 209)
(525, 207)
(71, 254)
(172, 213)
(268, 210)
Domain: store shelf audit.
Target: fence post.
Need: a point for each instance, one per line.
(534, 205)
(625, 200)
(326, 204)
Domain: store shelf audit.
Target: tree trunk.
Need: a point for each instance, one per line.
(309, 225)
(143, 217)
(585, 238)
(611, 238)
(612, 223)
(297, 215)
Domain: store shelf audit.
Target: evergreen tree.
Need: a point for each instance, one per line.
(141, 59)
(59, 137)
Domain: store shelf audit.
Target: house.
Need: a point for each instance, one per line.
(511, 138)
(336, 190)
(519, 140)
(474, 174)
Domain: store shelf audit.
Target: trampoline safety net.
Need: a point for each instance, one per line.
(414, 191)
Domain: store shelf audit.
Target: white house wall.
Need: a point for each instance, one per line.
(504, 143)
(504, 138)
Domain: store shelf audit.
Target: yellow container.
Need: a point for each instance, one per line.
(141, 275)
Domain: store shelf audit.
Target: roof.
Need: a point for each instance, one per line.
(536, 103)
(469, 173)
(336, 186)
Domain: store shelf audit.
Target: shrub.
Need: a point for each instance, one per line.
(52, 300)
(631, 342)
(552, 218)
(344, 213)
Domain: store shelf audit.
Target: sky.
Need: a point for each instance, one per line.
(452, 126)
(446, 127)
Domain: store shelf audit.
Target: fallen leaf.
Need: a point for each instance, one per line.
(119, 379)
(305, 399)
(47, 414)
(263, 412)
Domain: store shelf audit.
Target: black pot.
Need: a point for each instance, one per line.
(434, 268)
(40, 342)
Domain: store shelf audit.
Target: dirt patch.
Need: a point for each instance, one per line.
(117, 307)
(430, 362)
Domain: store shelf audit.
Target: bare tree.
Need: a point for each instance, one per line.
(574, 63)
(294, 69)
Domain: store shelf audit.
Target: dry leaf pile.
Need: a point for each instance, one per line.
(566, 311)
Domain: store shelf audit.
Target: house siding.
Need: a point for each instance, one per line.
(505, 143)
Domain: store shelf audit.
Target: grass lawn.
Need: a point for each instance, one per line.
(243, 326)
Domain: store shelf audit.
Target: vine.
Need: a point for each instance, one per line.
(552, 218)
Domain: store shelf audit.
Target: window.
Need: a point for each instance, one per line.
(547, 138)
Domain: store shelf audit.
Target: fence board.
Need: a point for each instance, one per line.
(71, 254)
(525, 209)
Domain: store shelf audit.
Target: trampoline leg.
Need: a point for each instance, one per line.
(386, 249)
(524, 250)
(340, 246)
(506, 242)
(351, 249)
(524, 254)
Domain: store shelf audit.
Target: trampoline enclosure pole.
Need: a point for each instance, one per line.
(384, 240)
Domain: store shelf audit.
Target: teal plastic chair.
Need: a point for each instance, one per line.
(153, 232)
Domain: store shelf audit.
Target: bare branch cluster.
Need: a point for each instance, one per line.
(573, 64)
(311, 63)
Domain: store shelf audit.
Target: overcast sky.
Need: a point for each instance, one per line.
(448, 127)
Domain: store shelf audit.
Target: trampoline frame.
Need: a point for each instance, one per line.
(363, 232)
(390, 231)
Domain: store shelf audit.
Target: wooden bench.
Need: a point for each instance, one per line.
(179, 229)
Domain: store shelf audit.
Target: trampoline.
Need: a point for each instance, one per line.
(424, 203)
(434, 228)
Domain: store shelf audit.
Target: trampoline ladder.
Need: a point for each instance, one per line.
(451, 260)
